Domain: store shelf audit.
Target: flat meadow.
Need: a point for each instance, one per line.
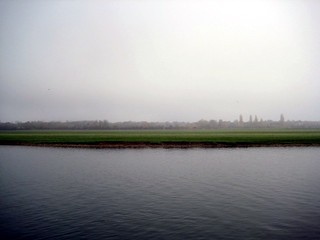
(214, 138)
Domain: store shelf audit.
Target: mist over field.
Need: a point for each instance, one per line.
(159, 60)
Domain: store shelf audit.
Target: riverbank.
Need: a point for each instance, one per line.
(163, 139)
(172, 145)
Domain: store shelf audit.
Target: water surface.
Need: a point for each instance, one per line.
(255, 193)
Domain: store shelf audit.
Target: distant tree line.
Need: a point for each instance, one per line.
(131, 125)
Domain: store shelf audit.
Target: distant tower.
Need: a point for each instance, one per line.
(281, 118)
(250, 119)
(255, 119)
(241, 119)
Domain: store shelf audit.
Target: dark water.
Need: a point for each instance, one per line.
(258, 193)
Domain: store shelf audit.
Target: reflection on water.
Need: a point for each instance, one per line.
(256, 193)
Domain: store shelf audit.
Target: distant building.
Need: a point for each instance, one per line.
(240, 119)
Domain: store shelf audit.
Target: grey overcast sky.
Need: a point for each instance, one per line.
(159, 60)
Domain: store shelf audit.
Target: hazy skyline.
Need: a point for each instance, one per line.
(159, 60)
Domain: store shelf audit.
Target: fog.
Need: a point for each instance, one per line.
(159, 60)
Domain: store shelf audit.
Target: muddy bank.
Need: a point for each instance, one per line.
(139, 145)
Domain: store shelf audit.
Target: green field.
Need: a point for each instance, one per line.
(224, 137)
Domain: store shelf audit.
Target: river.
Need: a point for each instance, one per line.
(254, 193)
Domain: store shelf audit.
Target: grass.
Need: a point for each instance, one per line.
(224, 137)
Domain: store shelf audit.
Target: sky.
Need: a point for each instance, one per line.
(159, 60)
